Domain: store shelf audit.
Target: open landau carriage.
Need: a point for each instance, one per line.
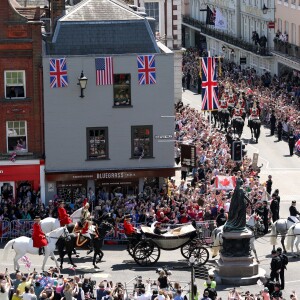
(145, 248)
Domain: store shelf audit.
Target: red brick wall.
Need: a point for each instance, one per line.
(15, 54)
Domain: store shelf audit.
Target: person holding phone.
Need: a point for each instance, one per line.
(5, 286)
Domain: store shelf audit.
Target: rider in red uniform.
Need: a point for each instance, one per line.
(254, 112)
(238, 111)
(62, 215)
(38, 236)
(223, 104)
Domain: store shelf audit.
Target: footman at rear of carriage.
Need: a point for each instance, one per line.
(38, 236)
(62, 215)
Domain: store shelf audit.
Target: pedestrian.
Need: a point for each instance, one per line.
(265, 216)
(275, 266)
(199, 84)
(188, 80)
(184, 171)
(212, 294)
(269, 183)
(274, 208)
(279, 130)
(291, 142)
(272, 122)
(284, 261)
(206, 296)
(183, 82)
(277, 294)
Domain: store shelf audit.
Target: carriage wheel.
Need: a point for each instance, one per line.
(130, 248)
(146, 253)
(187, 249)
(201, 254)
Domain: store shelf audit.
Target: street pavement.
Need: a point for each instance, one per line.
(118, 266)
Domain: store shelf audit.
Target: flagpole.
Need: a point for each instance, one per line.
(209, 114)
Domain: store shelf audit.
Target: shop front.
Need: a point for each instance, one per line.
(18, 175)
(73, 185)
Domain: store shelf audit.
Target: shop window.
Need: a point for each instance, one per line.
(97, 143)
(16, 136)
(122, 90)
(142, 141)
(15, 84)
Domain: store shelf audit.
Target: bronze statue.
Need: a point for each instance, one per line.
(237, 211)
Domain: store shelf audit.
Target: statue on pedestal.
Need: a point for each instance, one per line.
(237, 212)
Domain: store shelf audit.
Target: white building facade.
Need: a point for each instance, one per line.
(243, 17)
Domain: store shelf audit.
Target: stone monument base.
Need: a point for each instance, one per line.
(236, 264)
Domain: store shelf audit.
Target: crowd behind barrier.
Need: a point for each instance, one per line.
(17, 228)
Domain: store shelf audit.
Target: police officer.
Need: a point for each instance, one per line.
(274, 207)
(291, 142)
(265, 216)
(272, 122)
(275, 266)
(284, 261)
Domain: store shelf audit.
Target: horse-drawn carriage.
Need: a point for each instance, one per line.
(145, 247)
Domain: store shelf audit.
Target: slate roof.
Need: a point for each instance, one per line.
(102, 27)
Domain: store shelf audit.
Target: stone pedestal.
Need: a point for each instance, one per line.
(236, 264)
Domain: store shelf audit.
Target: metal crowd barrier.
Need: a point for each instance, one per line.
(16, 228)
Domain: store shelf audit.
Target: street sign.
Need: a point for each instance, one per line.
(243, 60)
(271, 25)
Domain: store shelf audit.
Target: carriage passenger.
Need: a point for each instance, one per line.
(158, 230)
(62, 215)
(38, 236)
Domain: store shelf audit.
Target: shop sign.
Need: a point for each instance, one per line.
(163, 137)
(115, 175)
(188, 155)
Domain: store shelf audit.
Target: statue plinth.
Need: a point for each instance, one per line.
(236, 264)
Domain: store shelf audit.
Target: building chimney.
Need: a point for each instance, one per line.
(58, 9)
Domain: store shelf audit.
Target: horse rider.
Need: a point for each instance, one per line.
(85, 220)
(38, 236)
(238, 111)
(223, 105)
(85, 214)
(63, 217)
(254, 112)
(293, 213)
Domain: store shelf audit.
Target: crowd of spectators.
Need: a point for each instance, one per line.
(52, 285)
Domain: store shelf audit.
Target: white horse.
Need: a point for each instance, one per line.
(293, 237)
(23, 245)
(48, 224)
(254, 224)
(281, 227)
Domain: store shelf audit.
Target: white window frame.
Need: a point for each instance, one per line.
(16, 135)
(23, 85)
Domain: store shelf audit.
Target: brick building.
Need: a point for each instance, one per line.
(21, 113)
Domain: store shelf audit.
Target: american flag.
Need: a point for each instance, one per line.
(104, 71)
(58, 73)
(209, 84)
(146, 69)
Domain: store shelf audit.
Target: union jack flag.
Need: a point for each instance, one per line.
(209, 84)
(146, 69)
(58, 73)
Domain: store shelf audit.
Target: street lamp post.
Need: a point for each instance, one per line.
(192, 261)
